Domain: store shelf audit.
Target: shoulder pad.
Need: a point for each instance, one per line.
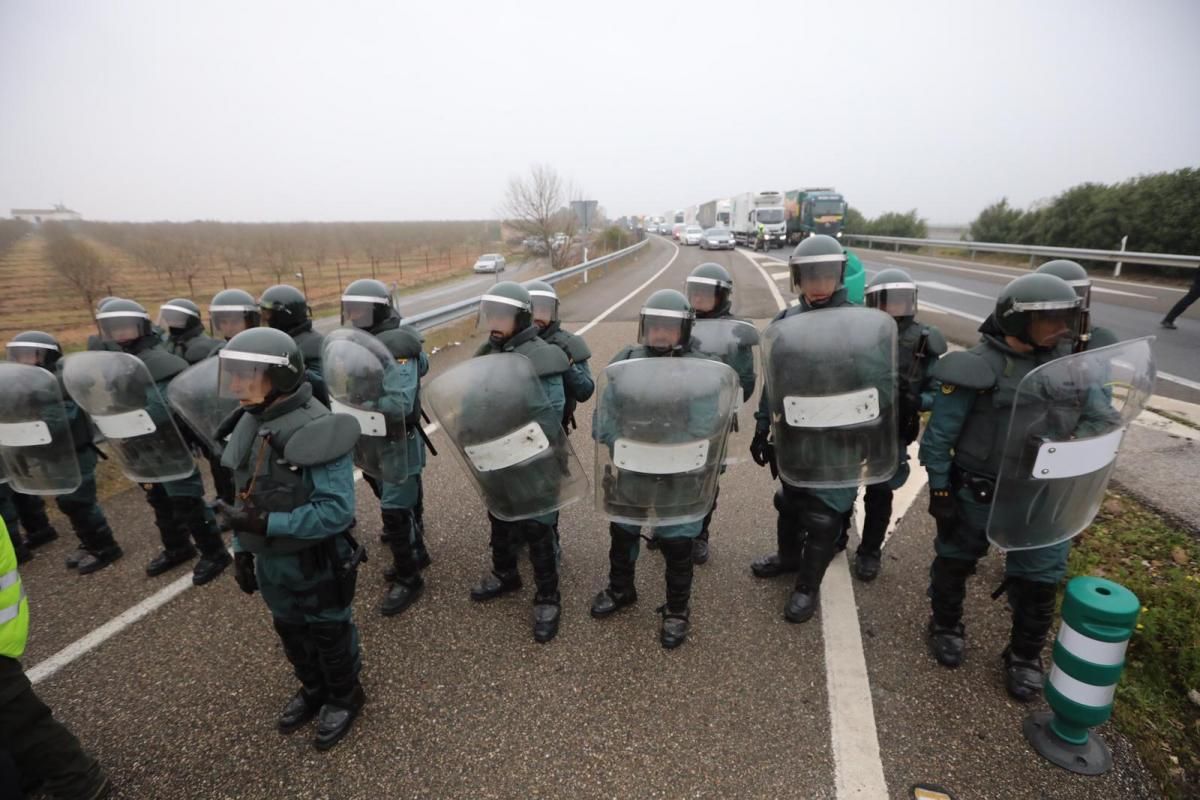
(310, 346)
(547, 359)
(161, 364)
(403, 342)
(200, 348)
(226, 426)
(966, 369)
(327, 437)
(1102, 337)
(575, 347)
(624, 354)
(935, 342)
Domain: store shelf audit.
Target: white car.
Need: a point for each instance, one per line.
(692, 234)
(490, 262)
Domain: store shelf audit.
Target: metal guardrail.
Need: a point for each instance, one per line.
(1033, 251)
(453, 312)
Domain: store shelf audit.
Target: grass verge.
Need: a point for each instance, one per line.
(1130, 544)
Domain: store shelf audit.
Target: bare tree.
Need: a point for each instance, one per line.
(534, 206)
(79, 264)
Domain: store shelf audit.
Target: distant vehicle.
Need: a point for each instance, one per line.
(714, 214)
(692, 234)
(490, 262)
(677, 229)
(813, 211)
(754, 208)
(716, 239)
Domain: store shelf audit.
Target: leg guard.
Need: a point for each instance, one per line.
(398, 536)
(877, 505)
(504, 546)
(1033, 615)
(947, 588)
(195, 517)
(678, 556)
(823, 526)
(336, 645)
(174, 537)
(542, 556)
(622, 555)
(302, 654)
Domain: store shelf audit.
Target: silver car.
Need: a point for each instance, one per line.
(716, 239)
(490, 262)
(692, 234)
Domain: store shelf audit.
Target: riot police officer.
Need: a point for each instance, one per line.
(97, 546)
(650, 482)
(1090, 336)
(367, 305)
(506, 314)
(710, 293)
(185, 331)
(179, 509)
(231, 312)
(961, 450)
(918, 347)
(577, 381)
(291, 459)
(96, 341)
(285, 308)
(810, 515)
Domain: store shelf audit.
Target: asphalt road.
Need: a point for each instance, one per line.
(463, 703)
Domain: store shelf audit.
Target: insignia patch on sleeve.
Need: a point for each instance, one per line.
(948, 388)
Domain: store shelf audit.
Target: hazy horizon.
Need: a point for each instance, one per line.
(365, 111)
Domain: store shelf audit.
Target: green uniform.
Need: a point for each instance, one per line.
(578, 384)
(294, 458)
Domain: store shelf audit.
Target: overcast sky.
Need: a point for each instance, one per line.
(355, 110)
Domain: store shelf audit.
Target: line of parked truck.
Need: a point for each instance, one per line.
(763, 219)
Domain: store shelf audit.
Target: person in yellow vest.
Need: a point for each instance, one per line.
(47, 756)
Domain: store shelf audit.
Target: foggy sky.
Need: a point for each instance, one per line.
(351, 110)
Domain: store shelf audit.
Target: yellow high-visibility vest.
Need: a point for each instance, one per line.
(14, 608)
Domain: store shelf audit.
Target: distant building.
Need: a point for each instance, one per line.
(59, 213)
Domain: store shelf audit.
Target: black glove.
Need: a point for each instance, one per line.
(243, 572)
(941, 506)
(247, 519)
(761, 450)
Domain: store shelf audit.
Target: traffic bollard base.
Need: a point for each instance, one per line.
(1092, 758)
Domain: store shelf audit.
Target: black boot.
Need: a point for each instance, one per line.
(194, 516)
(337, 716)
(337, 652)
(544, 559)
(407, 584)
(673, 629)
(786, 557)
(877, 505)
(31, 510)
(209, 567)
(169, 559)
(802, 604)
(622, 558)
(75, 556)
(947, 588)
(494, 585)
(20, 549)
(299, 710)
(866, 565)
(608, 601)
(301, 652)
(948, 643)
(504, 578)
(98, 559)
(1033, 614)
(36, 539)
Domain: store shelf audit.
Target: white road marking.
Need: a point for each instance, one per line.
(44, 669)
(854, 739)
(604, 314)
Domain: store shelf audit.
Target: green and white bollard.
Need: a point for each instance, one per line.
(1098, 617)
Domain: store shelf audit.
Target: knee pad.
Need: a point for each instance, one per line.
(780, 501)
(819, 519)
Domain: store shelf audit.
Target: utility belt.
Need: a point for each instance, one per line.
(981, 487)
(315, 558)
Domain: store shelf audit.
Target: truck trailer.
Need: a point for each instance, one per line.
(751, 209)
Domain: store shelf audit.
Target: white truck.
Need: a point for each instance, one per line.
(713, 214)
(751, 209)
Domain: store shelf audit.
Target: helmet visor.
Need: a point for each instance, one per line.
(176, 317)
(33, 353)
(896, 299)
(123, 326)
(229, 321)
(818, 278)
(664, 330)
(1047, 327)
(501, 315)
(246, 377)
(706, 295)
(360, 311)
(545, 308)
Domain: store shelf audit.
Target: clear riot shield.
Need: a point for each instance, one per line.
(194, 395)
(1068, 419)
(507, 436)
(36, 446)
(731, 340)
(831, 386)
(661, 428)
(355, 367)
(117, 392)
